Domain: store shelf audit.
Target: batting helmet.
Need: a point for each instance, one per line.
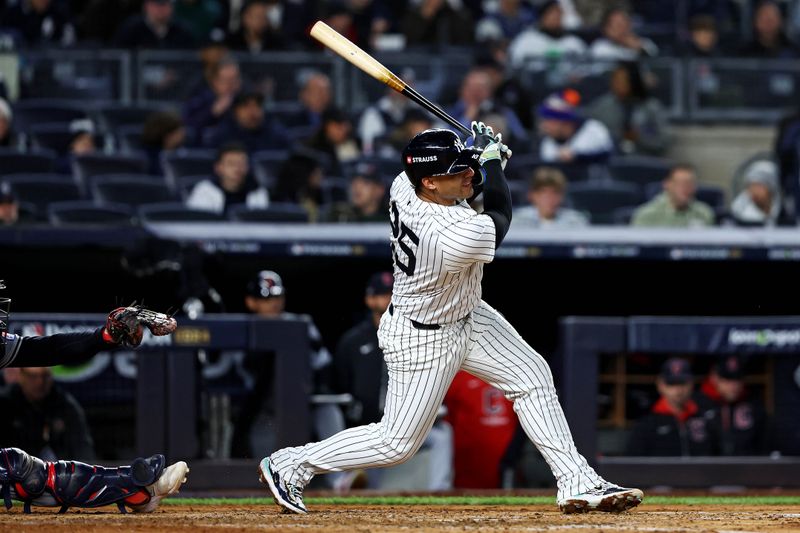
(436, 152)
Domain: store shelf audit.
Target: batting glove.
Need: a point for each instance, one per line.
(505, 151)
(482, 135)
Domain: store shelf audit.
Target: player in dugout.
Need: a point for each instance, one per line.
(140, 485)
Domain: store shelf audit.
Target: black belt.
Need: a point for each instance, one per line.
(416, 324)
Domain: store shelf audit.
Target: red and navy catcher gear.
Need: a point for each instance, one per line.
(75, 484)
(438, 152)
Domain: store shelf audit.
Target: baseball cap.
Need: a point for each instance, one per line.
(730, 367)
(764, 172)
(380, 283)
(265, 284)
(561, 106)
(676, 371)
(367, 171)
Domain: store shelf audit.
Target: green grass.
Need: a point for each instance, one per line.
(489, 500)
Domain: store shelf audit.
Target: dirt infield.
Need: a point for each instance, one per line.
(403, 518)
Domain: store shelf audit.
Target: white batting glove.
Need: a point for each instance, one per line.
(505, 151)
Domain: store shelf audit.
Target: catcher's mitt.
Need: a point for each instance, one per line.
(125, 325)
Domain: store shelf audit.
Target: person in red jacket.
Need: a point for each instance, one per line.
(483, 423)
(675, 425)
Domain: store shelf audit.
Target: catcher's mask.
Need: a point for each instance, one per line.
(5, 310)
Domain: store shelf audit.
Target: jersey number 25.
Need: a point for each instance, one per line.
(400, 231)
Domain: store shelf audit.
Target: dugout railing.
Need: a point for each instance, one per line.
(584, 340)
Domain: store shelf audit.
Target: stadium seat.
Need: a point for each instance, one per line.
(130, 190)
(29, 113)
(277, 212)
(622, 215)
(600, 200)
(41, 192)
(519, 193)
(335, 190)
(521, 168)
(56, 137)
(181, 163)
(34, 162)
(712, 195)
(175, 212)
(27, 213)
(87, 212)
(129, 138)
(639, 170)
(86, 167)
(185, 185)
(115, 116)
(267, 164)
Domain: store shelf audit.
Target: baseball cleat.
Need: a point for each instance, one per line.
(167, 484)
(605, 498)
(287, 495)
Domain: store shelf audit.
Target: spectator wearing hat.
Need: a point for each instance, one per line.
(546, 196)
(359, 369)
(740, 419)
(248, 125)
(759, 201)
(9, 207)
(566, 136)
(676, 206)
(265, 297)
(155, 27)
(8, 138)
(675, 425)
(40, 23)
(231, 184)
(414, 121)
(548, 40)
(334, 137)
(507, 20)
(368, 202)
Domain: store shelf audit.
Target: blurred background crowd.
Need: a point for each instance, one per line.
(125, 111)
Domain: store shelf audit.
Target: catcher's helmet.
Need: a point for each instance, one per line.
(436, 152)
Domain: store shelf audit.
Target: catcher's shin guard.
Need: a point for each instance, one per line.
(75, 484)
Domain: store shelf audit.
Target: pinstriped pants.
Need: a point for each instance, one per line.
(422, 364)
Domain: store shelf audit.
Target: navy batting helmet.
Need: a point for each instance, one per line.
(436, 152)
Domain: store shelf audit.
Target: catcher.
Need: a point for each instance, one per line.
(143, 483)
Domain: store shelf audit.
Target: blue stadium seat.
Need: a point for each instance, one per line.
(519, 193)
(183, 162)
(29, 113)
(522, 167)
(43, 191)
(115, 116)
(130, 190)
(85, 167)
(185, 184)
(276, 212)
(175, 212)
(129, 138)
(601, 199)
(640, 170)
(335, 190)
(33, 162)
(712, 195)
(267, 164)
(622, 215)
(56, 137)
(89, 213)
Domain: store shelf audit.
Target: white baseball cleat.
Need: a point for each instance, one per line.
(167, 484)
(606, 498)
(287, 495)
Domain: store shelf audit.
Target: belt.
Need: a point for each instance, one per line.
(416, 324)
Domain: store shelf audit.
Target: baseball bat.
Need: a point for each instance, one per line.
(358, 57)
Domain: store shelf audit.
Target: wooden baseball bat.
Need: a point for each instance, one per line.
(358, 57)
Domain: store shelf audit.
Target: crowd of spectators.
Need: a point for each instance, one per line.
(318, 150)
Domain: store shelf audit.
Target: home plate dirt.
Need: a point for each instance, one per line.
(380, 518)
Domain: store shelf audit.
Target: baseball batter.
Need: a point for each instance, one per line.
(437, 325)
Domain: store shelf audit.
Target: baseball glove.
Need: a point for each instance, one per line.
(125, 325)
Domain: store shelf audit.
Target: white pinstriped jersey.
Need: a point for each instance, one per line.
(438, 253)
(9, 351)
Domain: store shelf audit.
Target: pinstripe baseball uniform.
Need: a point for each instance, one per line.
(437, 325)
